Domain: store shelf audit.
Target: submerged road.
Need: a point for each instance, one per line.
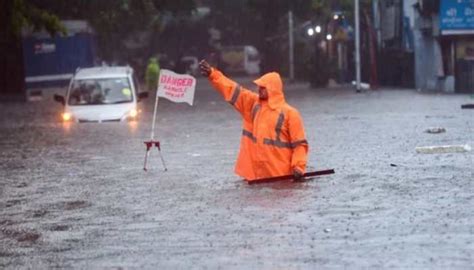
(75, 195)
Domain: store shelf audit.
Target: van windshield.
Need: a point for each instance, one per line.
(100, 91)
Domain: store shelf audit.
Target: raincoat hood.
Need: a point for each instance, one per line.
(274, 85)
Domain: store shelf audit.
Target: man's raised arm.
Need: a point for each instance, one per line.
(242, 99)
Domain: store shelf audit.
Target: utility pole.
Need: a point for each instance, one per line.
(357, 44)
(291, 56)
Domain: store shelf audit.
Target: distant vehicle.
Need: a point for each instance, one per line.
(165, 61)
(238, 59)
(102, 94)
(51, 61)
(191, 64)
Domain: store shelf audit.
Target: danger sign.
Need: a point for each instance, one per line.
(176, 87)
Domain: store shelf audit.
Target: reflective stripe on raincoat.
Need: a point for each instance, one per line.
(273, 141)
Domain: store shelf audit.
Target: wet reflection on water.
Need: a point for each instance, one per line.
(133, 126)
(67, 126)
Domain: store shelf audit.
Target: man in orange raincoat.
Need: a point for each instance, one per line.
(273, 141)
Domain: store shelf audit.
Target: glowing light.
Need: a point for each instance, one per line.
(310, 32)
(336, 16)
(66, 117)
(133, 113)
(329, 37)
(317, 29)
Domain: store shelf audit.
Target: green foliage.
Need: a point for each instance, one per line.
(17, 15)
(115, 21)
(151, 74)
(26, 14)
(265, 18)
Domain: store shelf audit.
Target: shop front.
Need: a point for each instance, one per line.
(457, 42)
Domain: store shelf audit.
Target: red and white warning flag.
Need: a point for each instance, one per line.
(176, 87)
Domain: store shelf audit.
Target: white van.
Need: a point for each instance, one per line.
(101, 94)
(241, 59)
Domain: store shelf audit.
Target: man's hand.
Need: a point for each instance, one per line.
(205, 68)
(297, 175)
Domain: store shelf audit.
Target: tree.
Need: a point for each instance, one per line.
(20, 14)
(121, 22)
(257, 22)
(320, 67)
(114, 21)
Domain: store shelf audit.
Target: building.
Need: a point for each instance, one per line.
(436, 37)
(444, 45)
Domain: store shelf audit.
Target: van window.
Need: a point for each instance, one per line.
(100, 91)
(252, 54)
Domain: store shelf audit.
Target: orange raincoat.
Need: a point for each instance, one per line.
(273, 141)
